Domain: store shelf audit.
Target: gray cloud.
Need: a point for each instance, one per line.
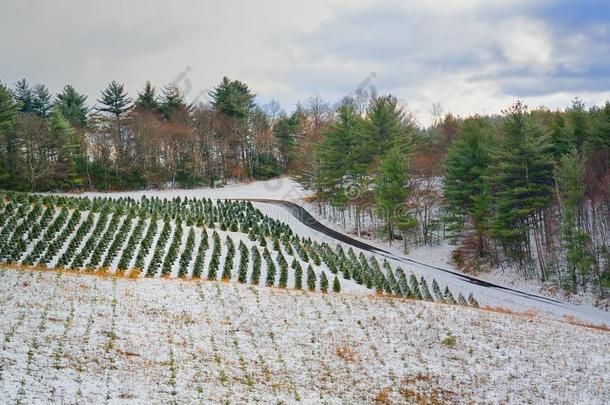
(471, 55)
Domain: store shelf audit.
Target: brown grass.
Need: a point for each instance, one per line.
(345, 352)
(383, 397)
(310, 198)
(572, 320)
(530, 313)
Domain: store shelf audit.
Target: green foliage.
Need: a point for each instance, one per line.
(391, 192)
(336, 285)
(521, 179)
(114, 100)
(465, 189)
(311, 278)
(72, 106)
(323, 282)
(576, 241)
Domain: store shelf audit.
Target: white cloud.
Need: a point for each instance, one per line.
(527, 43)
(471, 55)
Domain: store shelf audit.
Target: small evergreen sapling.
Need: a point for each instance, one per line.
(448, 296)
(324, 282)
(472, 301)
(311, 278)
(336, 285)
(298, 277)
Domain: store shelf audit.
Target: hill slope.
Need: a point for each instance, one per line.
(70, 338)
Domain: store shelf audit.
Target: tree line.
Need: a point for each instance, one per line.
(153, 139)
(528, 190)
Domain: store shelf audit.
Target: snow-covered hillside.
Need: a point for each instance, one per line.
(84, 339)
(286, 189)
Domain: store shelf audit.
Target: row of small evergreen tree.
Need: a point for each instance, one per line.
(102, 235)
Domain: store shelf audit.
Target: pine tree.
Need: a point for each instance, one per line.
(425, 292)
(147, 99)
(41, 100)
(8, 112)
(391, 191)
(298, 278)
(404, 285)
(336, 285)
(338, 161)
(68, 152)
(73, 106)
(449, 299)
(465, 188)
(115, 100)
(243, 263)
(256, 265)
(270, 272)
(415, 288)
(323, 282)
(283, 276)
(472, 301)
(311, 278)
(438, 294)
(576, 241)
(24, 96)
(172, 101)
(521, 180)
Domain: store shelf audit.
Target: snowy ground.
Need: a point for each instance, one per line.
(286, 189)
(86, 339)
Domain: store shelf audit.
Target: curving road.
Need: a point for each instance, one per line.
(544, 303)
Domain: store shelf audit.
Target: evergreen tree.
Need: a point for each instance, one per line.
(115, 100)
(438, 294)
(256, 265)
(73, 106)
(465, 188)
(386, 127)
(425, 291)
(147, 99)
(232, 98)
(336, 285)
(8, 112)
(41, 100)
(576, 241)
(24, 96)
(521, 179)
(415, 288)
(286, 130)
(390, 189)
(472, 301)
(270, 280)
(283, 276)
(298, 278)
(338, 158)
(311, 278)
(448, 296)
(323, 282)
(68, 152)
(172, 101)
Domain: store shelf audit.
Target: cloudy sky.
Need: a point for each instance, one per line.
(469, 55)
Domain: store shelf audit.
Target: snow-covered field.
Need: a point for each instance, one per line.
(86, 339)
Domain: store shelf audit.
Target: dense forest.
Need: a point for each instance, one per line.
(528, 190)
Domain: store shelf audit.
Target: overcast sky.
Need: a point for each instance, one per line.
(472, 56)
